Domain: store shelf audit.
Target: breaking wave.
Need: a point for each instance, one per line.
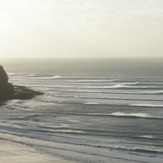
(126, 85)
(121, 114)
(11, 74)
(155, 92)
(147, 136)
(48, 77)
(31, 75)
(147, 105)
(56, 77)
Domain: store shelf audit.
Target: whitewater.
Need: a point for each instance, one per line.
(92, 111)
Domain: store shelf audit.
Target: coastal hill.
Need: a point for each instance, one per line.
(10, 91)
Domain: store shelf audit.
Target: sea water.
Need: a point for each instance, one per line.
(92, 110)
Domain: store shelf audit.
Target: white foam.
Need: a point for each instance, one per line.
(147, 136)
(131, 114)
(123, 86)
(10, 74)
(31, 75)
(56, 77)
(91, 103)
(154, 92)
(52, 77)
(147, 105)
(94, 81)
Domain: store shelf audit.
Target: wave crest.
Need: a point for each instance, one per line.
(126, 85)
(147, 105)
(155, 92)
(142, 115)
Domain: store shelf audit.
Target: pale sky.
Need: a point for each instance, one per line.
(81, 28)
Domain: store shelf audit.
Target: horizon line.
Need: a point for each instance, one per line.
(43, 57)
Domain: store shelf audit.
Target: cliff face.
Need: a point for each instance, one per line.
(5, 87)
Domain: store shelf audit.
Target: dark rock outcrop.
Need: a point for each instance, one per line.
(22, 92)
(6, 88)
(9, 91)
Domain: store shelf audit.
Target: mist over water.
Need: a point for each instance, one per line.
(90, 107)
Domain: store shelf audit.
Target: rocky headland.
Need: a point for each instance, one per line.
(9, 91)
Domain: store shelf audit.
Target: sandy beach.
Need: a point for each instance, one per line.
(16, 153)
(11, 152)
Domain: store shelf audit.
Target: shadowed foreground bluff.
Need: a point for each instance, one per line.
(9, 91)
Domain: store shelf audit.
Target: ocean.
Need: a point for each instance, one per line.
(92, 110)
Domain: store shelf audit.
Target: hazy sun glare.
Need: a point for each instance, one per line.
(86, 28)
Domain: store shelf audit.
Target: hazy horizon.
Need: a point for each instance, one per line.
(81, 29)
(76, 57)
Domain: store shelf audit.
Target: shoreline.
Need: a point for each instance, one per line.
(11, 152)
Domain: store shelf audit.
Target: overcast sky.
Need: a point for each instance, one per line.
(81, 28)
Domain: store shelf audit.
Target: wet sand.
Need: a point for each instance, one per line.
(11, 152)
(17, 153)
